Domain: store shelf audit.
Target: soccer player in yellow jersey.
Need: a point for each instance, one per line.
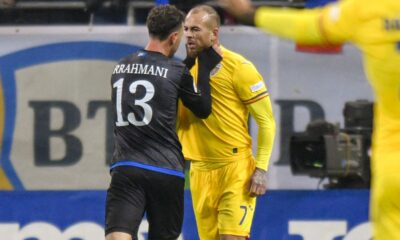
(225, 178)
(374, 27)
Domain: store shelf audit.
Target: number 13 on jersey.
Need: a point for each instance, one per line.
(148, 111)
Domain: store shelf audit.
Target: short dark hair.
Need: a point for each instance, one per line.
(163, 20)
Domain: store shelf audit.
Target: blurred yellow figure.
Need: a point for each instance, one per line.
(374, 27)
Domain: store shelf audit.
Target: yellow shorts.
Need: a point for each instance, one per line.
(221, 201)
(385, 200)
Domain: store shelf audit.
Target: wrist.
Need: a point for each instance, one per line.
(261, 170)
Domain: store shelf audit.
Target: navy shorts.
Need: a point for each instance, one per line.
(135, 192)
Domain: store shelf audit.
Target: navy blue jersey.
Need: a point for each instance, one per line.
(146, 87)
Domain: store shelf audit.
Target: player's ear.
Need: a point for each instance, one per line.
(173, 37)
(214, 34)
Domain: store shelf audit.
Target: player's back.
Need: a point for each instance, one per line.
(145, 89)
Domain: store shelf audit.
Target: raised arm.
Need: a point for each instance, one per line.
(198, 98)
(330, 24)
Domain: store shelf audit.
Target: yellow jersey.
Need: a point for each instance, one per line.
(374, 27)
(224, 135)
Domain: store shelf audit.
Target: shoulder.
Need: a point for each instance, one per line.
(235, 60)
(177, 70)
(127, 58)
(178, 66)
(231, 55)
(176, 63)
(234, 57)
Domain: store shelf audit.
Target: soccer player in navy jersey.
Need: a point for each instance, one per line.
(147, 165)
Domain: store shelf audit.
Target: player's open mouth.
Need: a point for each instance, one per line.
(191, 44)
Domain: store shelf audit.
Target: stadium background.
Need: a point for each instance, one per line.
(56, 131)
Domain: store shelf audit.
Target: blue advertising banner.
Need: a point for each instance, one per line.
(280, 215)
(317, 3)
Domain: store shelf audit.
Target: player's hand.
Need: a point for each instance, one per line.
(258, 183)
(237, 8)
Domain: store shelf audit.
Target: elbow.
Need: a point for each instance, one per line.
(201, 107)
(204, 108)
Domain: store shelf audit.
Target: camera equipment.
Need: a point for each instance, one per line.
(341, 155)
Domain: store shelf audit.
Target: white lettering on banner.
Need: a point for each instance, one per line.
(360, 232)
(317, 230)
(329, 230)
(9, 230)
(48, 231)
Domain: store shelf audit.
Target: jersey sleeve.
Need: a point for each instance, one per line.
(332, 24)
(197, 100)
(301, 25)
(339, 21)
(248, 83)
(261, 111)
